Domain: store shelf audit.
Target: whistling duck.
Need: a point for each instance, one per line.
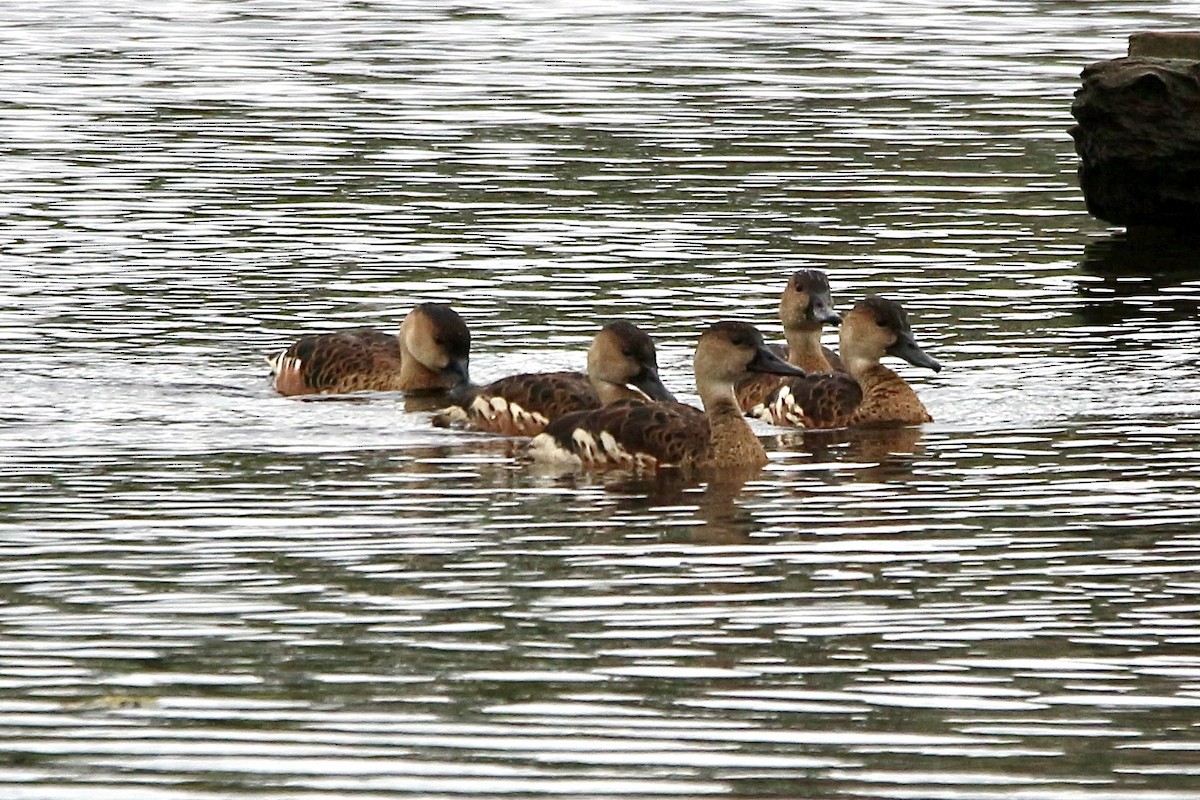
(621, 364)
(804, 309)
(868, 393)
(429, 354)
(633, 433)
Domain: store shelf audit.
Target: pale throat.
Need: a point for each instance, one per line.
(732, 441)
(717, 395)
(415, 375)
(868, 371)
(610, 392)
(803, 342)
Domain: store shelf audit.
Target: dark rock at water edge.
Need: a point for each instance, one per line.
(1139, 137)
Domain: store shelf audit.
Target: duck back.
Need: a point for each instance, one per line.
(521, 405)
(826, 400)
(627, 433)
(351, 360)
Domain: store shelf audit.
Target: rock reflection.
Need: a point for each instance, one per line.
(1140, 275)
(1144, 252)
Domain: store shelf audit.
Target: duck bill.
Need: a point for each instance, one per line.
(821, 310)
(766, 361)
(908, 350)
(649, 384)
(457, 372)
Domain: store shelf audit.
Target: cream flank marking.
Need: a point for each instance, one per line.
(588, 452)
(455, 415)
(493, 408)
(783, 411)
(281, 362)
(545, 449)
(285, 371)
(586, 444)
(614, 451)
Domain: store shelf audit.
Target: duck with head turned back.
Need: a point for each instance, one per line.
(621, 364)
(646, 435)
(805, 307)
(430, 353)
(868, 393)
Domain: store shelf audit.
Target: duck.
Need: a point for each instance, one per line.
(648, 435)
(868, 393)
(430, 353)
(804, 309)
(621, 364)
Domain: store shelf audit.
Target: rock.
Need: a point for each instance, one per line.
(1166, 45)
(1139, 136)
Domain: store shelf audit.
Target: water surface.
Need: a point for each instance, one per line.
(211, 591)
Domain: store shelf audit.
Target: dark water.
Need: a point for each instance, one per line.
(209, 591)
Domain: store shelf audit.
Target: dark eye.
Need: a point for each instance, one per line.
(628, 353)
(438, 341)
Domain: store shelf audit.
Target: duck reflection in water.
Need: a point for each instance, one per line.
(701, 513)
(888, 451)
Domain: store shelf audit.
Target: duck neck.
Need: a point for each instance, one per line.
(804, 348)
(609, 392)
(887, 397)
(869, 372)
(415, 376)
(731, 442)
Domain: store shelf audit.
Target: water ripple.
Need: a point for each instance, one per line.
(208, 590)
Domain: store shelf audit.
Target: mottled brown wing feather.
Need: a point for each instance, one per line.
(755, 388)
(670, 433)
(829, 399)
(521, 405)
(551, 394)
(359, 358)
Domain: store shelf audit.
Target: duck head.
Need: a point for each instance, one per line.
(437, 337)
(623, 354)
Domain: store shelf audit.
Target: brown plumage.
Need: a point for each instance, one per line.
(804, 308)
(430, 353)
(622, 364)
(640, 434)
(869, 393)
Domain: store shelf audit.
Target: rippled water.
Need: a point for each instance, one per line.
(210, 591)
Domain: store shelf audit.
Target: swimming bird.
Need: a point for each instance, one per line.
(430, 353)
(804, 308)
(621, 364)
(868, 393)
(648, 435)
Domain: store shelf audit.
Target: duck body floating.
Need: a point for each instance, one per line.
(868, 393)
(622, 364)
(430, 353)
(648, 435)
